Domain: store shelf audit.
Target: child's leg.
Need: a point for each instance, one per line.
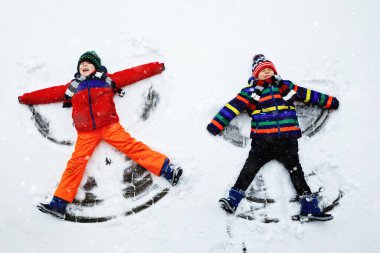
(136, 150)
(287, 154)
(259, 155)
(71, 178)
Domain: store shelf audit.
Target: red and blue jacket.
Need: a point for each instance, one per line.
(93, 105)
(274, 114)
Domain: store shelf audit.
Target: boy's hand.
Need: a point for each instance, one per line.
(334, 104)
(213, 129)
(162, 65)
(20, 100)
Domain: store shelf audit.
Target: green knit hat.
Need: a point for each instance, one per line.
(91, 57)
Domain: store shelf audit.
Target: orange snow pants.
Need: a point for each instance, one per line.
(85, 145)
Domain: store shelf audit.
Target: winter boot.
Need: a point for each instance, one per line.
(310, 209)
(57, 208)
(231, 203)
(171, 172)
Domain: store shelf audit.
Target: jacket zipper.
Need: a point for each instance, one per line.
(90, 106)
(274, 102)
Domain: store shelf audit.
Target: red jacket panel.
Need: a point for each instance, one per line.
(93, 105)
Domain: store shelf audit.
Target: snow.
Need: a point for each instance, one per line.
(207, 47)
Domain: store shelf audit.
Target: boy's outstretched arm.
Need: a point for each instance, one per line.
(135, 74)
(121, 78)
(309, 96)
(44, 96)
(237, 105)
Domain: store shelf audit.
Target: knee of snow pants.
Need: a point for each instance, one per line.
(136, 150)
(72, 176)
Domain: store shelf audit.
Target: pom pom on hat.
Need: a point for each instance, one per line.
(260, 62)
(91, 57)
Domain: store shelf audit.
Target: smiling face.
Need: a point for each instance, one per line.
(86, 68)
(265, 74)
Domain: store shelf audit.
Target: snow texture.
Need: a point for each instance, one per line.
(207, 47)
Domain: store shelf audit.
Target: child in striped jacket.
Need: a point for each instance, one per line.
(274, 131)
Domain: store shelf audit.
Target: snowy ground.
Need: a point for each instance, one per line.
(207, 47)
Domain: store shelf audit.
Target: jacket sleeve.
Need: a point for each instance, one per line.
(135, 74)
(308, 96)
(241, 103)
(44, 96)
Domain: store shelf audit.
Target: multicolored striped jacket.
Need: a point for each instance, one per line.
(273, 113)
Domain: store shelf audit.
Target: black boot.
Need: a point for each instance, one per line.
(172, 173)
(231, 203)
(310, 209)
(57, 208)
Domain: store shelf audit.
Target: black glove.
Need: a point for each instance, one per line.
(213, 129)
(20, 99)
(334, 104)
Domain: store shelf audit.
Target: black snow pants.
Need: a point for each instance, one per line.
(283, 150)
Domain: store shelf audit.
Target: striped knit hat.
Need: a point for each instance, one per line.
(260, 63)
(91, 57)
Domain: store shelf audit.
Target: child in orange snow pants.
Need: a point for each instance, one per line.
(90, 95)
